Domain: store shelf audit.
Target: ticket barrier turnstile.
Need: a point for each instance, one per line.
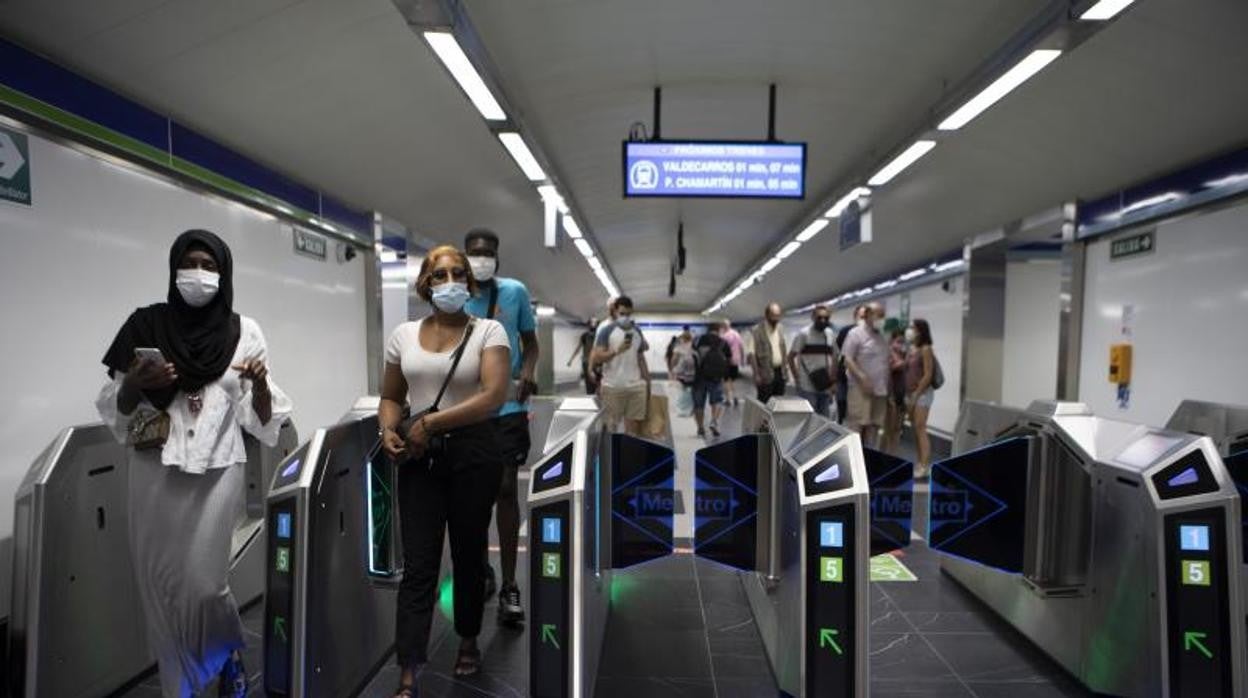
(331, 562)
(73, 582)
(788, 505)
(1112, 546)
(597, 502)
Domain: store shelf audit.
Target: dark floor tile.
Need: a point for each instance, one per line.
(948, 688)
(656, 687)
(904, 657)
(742, 665)
(1066, 689)
(935, 593)
(955, 621)
(994, 657)
(746, 688)
(632, 651)
(886, 617)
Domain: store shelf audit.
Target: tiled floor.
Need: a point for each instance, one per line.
(682, 627)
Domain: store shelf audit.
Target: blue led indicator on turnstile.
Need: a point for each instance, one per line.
(283, 525)
(1187, 477)
(552, 530)
(831, 534)
(1194, 538)
(831, 473)
(553, 471)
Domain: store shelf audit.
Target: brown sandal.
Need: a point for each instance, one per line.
(468, 663)
(405, 692)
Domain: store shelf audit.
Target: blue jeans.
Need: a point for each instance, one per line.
(820, 401)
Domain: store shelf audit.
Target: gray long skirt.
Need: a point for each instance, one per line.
(181, 526)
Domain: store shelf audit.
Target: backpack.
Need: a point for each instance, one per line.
(712, 364)
(938, 374)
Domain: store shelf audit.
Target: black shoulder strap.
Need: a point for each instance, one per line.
(489, 313)
(459, 354)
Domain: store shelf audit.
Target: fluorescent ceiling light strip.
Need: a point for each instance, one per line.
(788, 250)
(839, 207)
(594, 263)
(571, 228)
(456, 61)
(769, 265)
(520, 152)
(584, 247)
(913, 274)
(1002, 86)
(812, 230)
(901, 162)
(548, 192)
(1105, 9)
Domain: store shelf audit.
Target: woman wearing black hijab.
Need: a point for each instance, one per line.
(182, 416)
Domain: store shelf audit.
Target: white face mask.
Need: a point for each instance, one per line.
(483, 268)
(198, 286)
(911, 334)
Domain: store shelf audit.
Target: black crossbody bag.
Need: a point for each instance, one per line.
(437, 444)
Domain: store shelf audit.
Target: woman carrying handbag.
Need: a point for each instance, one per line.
(453, 371)
(185, 378)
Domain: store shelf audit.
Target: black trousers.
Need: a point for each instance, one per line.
(774, 389)
(455, 494)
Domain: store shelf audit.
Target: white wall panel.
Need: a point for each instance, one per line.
(1032, 323)
(566, 339)
(1188, 300)
(95, 245)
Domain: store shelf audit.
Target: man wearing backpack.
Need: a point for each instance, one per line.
(713, 357)
(812, 361)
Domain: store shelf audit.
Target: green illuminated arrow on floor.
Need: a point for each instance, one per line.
(827, 637)
(1191, 638)
(279, 627)
(548, 635)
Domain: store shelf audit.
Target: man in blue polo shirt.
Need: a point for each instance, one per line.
(507, 301)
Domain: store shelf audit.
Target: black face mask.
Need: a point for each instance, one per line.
(821, 324)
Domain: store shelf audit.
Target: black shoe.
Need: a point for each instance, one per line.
(714, 430)
(510, 610)
(491, 585)
(233, 681)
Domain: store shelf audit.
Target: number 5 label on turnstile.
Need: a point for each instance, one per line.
(552, 565)
(1195, 573)
(831, 569)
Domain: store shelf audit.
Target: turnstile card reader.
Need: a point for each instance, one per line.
(1113, 547)
(788, 505)
(597, 501)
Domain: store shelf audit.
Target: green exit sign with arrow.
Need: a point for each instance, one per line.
(1132, 245)
(14, 167)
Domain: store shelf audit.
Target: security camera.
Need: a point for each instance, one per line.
(345, 253)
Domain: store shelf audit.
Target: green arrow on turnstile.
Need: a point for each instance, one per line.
(548, 635)
(1191, 638)
(279, 627)
(827, 638)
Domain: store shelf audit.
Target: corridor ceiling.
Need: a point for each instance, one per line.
(345, 96)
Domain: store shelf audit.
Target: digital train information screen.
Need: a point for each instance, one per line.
(731, 169)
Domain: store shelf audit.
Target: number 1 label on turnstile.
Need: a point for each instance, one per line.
(550, 632)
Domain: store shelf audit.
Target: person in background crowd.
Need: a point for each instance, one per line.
(812, 361)
(507, 301)
(682, 366)
(620, 349)
(920, 389)
(584, 347)
(767, 356)
(186, 377)
(866, 364)
(454, 371)
(842, 381)
(894, 415)
(713, 358)
(737, 346)
(671, 346)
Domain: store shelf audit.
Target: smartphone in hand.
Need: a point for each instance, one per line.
(149, 354)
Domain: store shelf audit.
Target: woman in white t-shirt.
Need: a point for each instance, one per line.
(449, 470)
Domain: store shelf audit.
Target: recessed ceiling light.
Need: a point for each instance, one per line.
(789, 249)
(1002, 86)
(456, 61)
(907, 158)
(522, 155)
(1105, 9)
(812, 230)
(843, 203)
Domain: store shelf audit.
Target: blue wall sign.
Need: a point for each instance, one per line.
(724, 169)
